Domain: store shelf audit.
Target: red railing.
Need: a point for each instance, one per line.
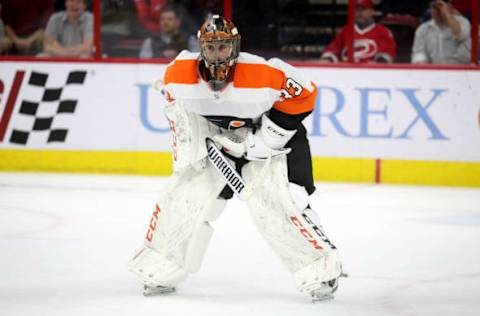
(351, 25)
(96, 28)
(227, 8)
(474, 52)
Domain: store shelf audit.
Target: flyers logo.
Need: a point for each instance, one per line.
(236, 124)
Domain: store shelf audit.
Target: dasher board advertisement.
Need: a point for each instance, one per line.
(359, 113)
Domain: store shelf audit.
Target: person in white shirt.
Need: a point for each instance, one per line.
(445, 39)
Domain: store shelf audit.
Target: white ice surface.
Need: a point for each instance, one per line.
(65, 241)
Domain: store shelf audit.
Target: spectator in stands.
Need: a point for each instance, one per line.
(148, 12)
(445, 39)
(69, 33)
(171, 40)
(24, 24)
(372, 42)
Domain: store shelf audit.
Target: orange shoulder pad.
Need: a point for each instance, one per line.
(257, 76)
(182, 71)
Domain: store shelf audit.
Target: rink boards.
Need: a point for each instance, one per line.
(369, 125)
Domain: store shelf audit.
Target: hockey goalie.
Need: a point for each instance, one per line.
(250, 110)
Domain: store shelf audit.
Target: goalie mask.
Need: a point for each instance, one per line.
(219, 46)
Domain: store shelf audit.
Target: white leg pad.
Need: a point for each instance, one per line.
(212, 213)
(299, 195)
(323, 269)
(281, 214)
(198, 246)
(154, 269)
(179, 232)
(201, 236)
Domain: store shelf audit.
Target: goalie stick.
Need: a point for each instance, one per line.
(233, 179)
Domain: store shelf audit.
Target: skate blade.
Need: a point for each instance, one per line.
(322, 298)
(157, 290)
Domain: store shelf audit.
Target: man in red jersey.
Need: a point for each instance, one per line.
(372, 42)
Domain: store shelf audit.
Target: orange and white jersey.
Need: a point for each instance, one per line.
(258, 85)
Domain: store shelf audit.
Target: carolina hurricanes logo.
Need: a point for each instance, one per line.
(364, 49)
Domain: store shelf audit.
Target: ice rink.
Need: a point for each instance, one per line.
(65, 241)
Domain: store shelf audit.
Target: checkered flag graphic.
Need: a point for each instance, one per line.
(49, 98)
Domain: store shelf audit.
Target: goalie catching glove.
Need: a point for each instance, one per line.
(266, 142)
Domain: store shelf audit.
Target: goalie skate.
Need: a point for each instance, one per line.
(157, 290)
(326, 290)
